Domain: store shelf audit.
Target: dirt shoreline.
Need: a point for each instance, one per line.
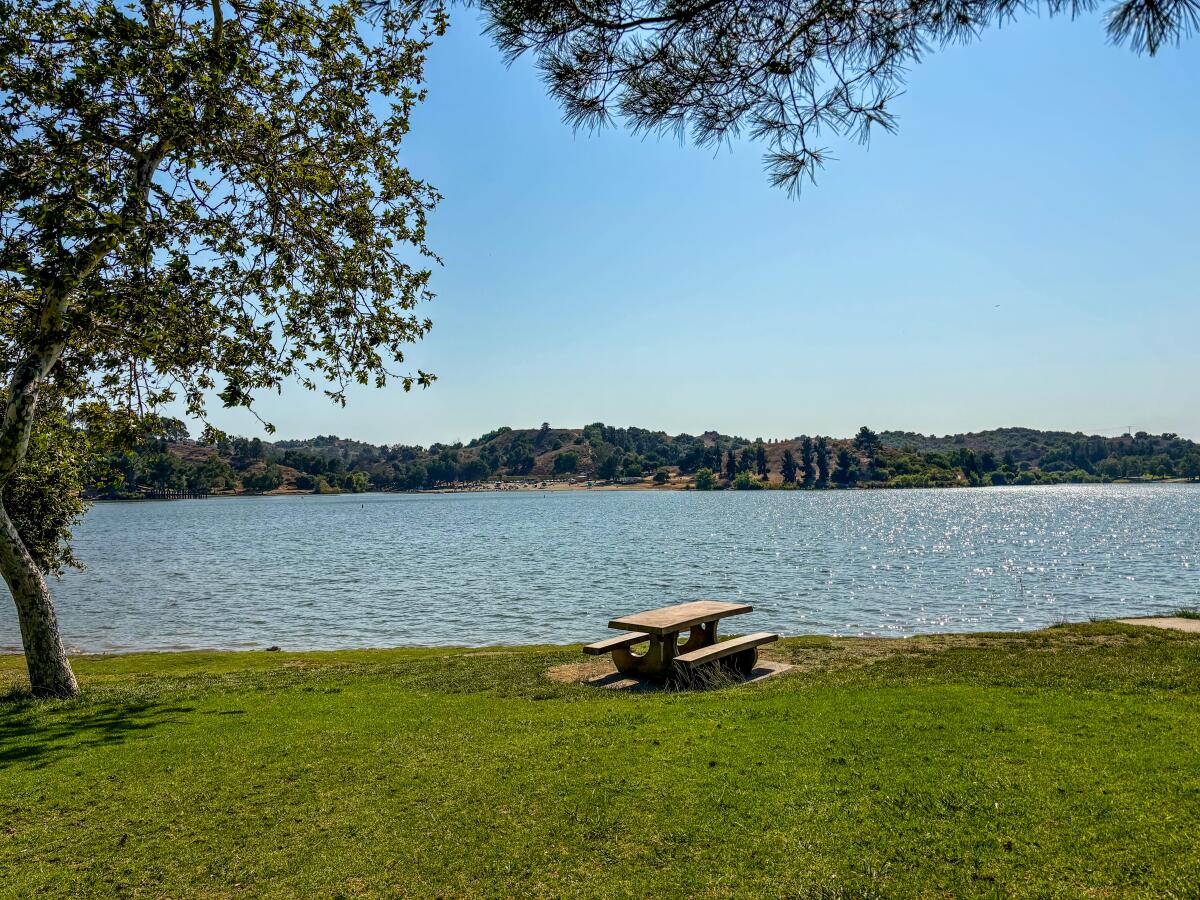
(1172, 623)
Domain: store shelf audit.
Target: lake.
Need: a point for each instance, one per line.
(519, 568)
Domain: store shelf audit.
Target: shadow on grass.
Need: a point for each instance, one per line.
(706, 678)
(33, 733)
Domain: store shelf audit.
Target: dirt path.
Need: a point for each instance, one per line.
(1175, 622)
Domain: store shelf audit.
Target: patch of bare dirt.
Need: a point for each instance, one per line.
(1175, 623)
(576, 673)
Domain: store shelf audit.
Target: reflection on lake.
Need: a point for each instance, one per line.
(519, 568)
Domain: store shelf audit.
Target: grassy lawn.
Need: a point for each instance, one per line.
(1062, 763)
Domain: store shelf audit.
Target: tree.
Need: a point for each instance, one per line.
(662, 475)
(474, 470)
(199, 198)
(784, 73)
(265, 480)
(789, 467)
(519, 457)
(212, 474)
(165, 472)
(443, 468)
(760, 460)
(806, 459)
(822, 453)
(566, 462)
(712, 458)
(847, 468)
(867, 441)
(412, 477)
(1189, 466)
(607, 461)
(731, 465)
(706, 480)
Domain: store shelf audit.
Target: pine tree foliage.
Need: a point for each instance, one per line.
(783, 72)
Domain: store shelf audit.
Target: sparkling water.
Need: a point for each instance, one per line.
(474, 569)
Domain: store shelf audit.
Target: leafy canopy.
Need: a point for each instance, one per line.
(44, 496)
(200, 197)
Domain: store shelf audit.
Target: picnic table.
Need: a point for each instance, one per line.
(666, 655)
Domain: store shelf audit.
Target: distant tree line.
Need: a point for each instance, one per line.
(867, 461)
(169, 461)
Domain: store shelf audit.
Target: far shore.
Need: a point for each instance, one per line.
(675, 483)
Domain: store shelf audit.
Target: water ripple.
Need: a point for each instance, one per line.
(477, 569)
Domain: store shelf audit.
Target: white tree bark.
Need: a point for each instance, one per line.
(50, 672)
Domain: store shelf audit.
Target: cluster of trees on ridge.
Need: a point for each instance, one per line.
(171, 461)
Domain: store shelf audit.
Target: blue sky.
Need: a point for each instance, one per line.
(1022, 252)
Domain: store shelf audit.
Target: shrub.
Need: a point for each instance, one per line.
(261, 482)
(324, 487)
(745, 481)
(566, 462)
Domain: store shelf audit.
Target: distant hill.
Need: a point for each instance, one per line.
(637, 456)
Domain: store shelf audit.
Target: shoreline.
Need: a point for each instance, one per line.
(1168, 619)
(649, 487)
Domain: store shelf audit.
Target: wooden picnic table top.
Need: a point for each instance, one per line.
(681, 616)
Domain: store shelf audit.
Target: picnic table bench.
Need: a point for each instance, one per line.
(666, 655)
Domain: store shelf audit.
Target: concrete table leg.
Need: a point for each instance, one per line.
(655, 663)
(658, 660)
(703, 635)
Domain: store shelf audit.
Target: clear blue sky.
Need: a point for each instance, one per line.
(1024, 251)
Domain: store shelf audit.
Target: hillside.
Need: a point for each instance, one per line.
(600, 453)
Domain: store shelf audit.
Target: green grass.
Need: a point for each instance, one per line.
(1186, 612)
(1061, 763)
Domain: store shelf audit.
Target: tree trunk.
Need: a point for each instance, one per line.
(50, 673)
